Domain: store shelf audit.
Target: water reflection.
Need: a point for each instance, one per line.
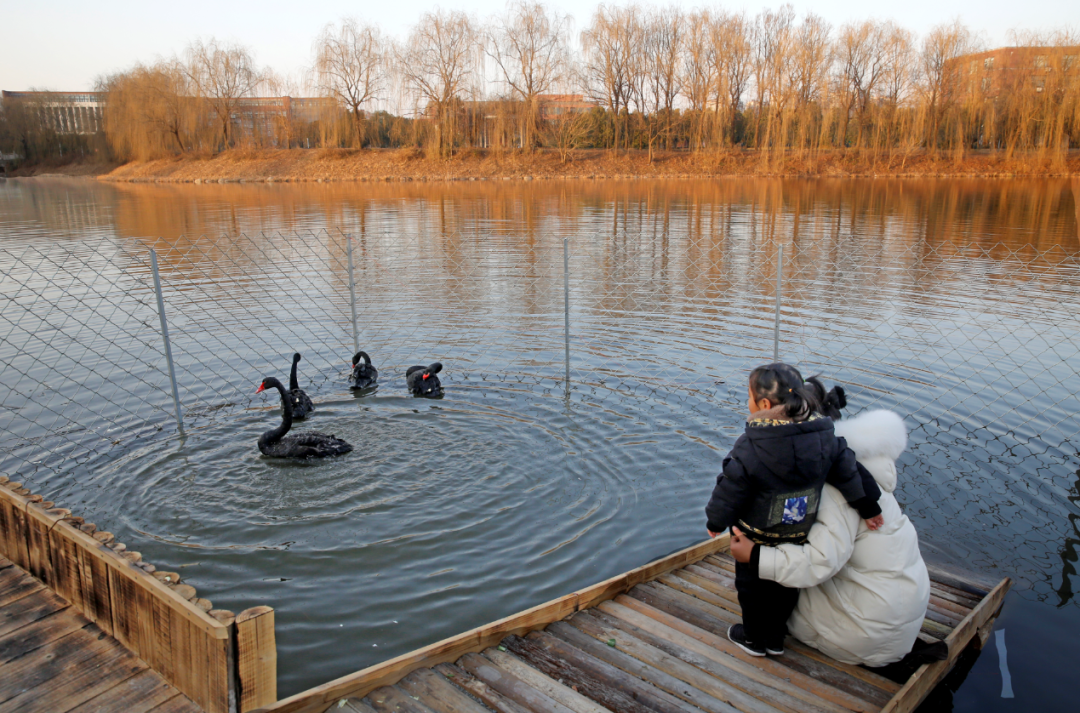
(1015, 213)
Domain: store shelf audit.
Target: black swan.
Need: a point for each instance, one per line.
(364, 374)
(301, 404)
(310, 444)
(422, 381)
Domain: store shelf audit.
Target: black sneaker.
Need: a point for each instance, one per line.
(737, 634)
(775, 650)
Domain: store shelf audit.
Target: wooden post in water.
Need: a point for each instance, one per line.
(256, 658)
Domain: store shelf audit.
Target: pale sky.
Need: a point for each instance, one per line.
(66, 44)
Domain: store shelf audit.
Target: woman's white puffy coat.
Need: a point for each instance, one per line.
(864, 592)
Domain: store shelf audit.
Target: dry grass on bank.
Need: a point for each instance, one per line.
(407, 164)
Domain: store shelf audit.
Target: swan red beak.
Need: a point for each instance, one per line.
(426, 376)
(260, 389)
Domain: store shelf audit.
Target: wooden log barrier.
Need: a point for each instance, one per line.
(178, 634)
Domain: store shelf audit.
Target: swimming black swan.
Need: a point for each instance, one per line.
(301, 404)
(422, 381)
(364, 374)
(310, 444)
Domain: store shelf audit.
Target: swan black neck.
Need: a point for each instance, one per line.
(361, 355)
(293, 384)
(276, 434)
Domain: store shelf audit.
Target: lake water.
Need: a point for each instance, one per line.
(955, 302)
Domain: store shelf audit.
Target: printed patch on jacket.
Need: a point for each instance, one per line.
(794, 508)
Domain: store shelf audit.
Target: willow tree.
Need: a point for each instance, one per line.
(149, 112)
(351, 66)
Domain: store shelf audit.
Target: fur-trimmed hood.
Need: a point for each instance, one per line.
(878, 438)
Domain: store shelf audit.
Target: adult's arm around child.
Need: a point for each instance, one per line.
(828, 549)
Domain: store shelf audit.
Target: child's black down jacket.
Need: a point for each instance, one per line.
(772, 479)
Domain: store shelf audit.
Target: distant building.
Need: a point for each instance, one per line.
(554, 105)
(83, 112)
(1009, 69)
(63, 112)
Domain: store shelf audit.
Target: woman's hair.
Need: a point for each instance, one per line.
(783, 385)
(831, 401)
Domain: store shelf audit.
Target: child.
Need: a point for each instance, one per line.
(770, 487)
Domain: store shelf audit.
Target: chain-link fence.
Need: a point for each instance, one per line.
(977, 345)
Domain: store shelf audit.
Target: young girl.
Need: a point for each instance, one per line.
(771, 486)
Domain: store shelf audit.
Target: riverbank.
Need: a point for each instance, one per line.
(411, 165)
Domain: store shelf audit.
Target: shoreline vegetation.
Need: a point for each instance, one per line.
(327, 165)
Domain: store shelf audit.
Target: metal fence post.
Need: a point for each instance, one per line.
(779, 288)
(165, 338)
(352, 298)
(566, 303)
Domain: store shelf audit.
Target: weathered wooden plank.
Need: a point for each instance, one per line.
(29, 609)
(13, 532)
(16, 584)
(542, 682)
(360, 683)
(355, 705)
(41, 632)
(717, 621)
(818, 688)
(39, 672)
(510, 686)
(38, 523)
(947, 605)
(177, 704)
(667, 672)
(968, 582)
(920, 684)
(78, 685)
(490, 697)
(439, 694)
(782, 693)
(390, 699)
(613, 689)
(139, 694)
(256, 658)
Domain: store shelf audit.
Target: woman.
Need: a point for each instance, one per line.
(865, 591)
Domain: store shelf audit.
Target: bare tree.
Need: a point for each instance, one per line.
(610, 58)
(772, 45)
(223, 74)
(698, 70)
(351, 67)
(529, 44)
(733, 50)
(438, 63)
(663, 36)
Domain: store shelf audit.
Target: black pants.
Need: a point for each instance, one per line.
(766, 606)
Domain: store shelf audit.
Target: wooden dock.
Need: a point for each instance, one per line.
(86, 625)
(653, 640)
(52, 658)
